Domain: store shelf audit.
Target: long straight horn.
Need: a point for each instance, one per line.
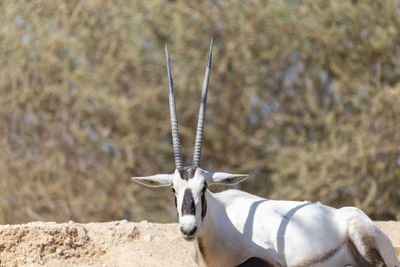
(174, 122)
(202, 112)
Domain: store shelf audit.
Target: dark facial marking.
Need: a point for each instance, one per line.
(176, 205)
(187, 174)
(203, 202)
(188, 207)
(175, 201)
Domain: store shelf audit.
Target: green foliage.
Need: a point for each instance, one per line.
(304, 96)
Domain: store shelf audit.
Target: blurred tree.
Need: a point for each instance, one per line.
(304, 96)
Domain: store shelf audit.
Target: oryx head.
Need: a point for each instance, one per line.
(189, 184)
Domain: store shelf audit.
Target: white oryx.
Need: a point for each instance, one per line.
(234, 228)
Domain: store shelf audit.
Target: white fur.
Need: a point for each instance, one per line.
(239, 225)
(187, 222)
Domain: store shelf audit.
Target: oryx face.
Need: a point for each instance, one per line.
(189, 184)
(189, 187)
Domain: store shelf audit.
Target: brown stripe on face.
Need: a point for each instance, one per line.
(187, 174)
(188, 207)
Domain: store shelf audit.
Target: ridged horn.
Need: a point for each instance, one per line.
(174, 121)
(202, 111)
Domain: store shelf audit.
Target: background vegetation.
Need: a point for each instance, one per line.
(304, 96)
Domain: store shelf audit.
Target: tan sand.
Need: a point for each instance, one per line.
(108, 244)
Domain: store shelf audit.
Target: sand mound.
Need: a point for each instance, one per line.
(38, 242)
(118, 243)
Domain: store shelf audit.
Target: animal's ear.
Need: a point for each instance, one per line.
(225, 178)
(158, 180)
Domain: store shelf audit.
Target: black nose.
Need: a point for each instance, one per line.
(189, 233)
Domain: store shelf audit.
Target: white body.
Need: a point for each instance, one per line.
(239, 225)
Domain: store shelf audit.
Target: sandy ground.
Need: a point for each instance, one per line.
(118, 243)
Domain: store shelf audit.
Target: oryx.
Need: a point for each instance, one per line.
(237, 228)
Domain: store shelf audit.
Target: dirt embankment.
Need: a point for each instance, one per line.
(118, 243)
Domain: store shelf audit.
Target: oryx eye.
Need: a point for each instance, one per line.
(173, 190)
